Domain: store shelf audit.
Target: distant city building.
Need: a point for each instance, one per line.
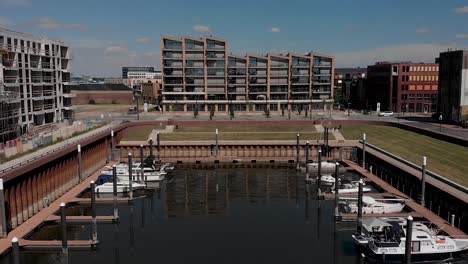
(144, 75)
(453, 85)
(350, 87)
(125, 70)
(151, 92)
(98, 93)
(202, 72)
(35, 77)
(403, 86)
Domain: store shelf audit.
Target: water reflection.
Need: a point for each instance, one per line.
(265, 214)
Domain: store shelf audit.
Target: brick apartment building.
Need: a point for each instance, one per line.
(403, 86)
(201, 72)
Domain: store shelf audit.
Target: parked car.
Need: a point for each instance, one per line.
(386, 113)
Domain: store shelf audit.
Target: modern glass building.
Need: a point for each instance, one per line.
(200, 72)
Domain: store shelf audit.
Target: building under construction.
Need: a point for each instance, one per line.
(34, 80)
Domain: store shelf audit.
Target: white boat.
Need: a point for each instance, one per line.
(375, 206)
(122, 187)
(349, 188)
(327, 179)
(325, 166)
(385, 238)
(148, 176)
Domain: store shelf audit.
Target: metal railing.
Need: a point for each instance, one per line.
(69, 142)
(419, 168)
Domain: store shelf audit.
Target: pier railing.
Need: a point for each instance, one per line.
(417, 167)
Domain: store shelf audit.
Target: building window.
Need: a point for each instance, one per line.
(410, 96)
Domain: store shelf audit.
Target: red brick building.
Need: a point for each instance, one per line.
(403, 86)
(102, 94)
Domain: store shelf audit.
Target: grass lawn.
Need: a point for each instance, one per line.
(229, 132)
(447, 159)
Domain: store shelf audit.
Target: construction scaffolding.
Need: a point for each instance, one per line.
(9, 115)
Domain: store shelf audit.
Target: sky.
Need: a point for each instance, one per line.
(105, 35)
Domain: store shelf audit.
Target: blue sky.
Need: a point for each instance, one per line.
(106, 35)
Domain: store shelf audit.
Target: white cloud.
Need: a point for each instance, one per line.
(461, 36)
(423, 30)
(49, 24)
(116, 49)
(5, 22)
(201, 29)
(143, 40)
(275, 29)
(462, 10)
(410, 52)
(15, 3)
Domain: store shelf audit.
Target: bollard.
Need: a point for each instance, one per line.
(3, 210)
(158, 141)
(79, 163)
(359, 212)
(452, 220)
(364, 150)
(409, 234)
(297, 151)
(130, 176)
(141, 163)
(423, 181)
(151, 147)
(93, 213)
(63, 221)
(337, 169)
(216, 145)
(114, 190)
(15, 250)
(307, 157)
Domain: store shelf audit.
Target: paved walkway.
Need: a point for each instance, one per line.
(167, 129)
(60, 145)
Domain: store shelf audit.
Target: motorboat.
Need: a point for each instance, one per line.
(374, 206)
(106, 185)
(327, 179)
(349, 188)
(385, 238)
(324, 166)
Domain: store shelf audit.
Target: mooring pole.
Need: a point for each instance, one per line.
(319, 172)
(79, 163)
(141, 164)
(93, 212)
(297, 151)
(423, 181)
(15, 250)
(63, 221)
(307, 156)
(452, 220)
(111, 154)
(337, 170)
(130, 176)
(114, 191)
(158, 139)
(360, 193)
(150, 141)
(409, 237)
(364, 150)
(216, 143)
(3, 210)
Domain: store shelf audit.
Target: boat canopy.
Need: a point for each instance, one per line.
(370, 223)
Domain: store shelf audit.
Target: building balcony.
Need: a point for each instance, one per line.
(11, 80)
(69, 107)
(321, 83)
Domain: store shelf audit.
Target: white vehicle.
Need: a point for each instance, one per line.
(386, 113)
(385, 238)
(375, 206)
(349, 188)
(122, 187)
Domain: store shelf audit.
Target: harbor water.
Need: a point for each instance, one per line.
(214, 214)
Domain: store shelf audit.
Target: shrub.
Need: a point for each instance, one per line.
(92, 101)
